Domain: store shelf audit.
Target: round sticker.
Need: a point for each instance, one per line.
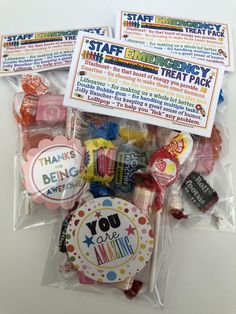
(180, 146)
(164, 168)
(52, 172)
(108, 239)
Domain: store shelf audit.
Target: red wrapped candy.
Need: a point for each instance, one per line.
(25, 108)
(134, 290)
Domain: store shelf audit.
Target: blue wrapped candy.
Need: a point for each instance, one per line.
(99, 190)
(221, 97)
(108, 131)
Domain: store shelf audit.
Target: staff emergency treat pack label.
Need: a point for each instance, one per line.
(111, 77)
(206, 41)
(40, 51)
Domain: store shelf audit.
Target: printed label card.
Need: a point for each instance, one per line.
(205, 41)
(40, 51)
(109, 240)
(111, 77)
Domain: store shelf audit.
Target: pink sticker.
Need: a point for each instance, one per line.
(52, 172)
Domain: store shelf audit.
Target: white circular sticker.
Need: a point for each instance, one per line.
(164, 170)
(108, 239)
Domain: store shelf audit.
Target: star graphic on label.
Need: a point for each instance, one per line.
(98, 214)
(212, 74)
(87, 41)
(130, 230)
(88, 241)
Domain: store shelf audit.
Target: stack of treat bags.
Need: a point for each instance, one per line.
(127, 144)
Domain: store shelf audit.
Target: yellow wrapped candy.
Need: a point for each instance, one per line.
(135, 132)
(99, 160)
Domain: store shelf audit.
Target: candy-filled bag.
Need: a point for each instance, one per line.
(64, 155)
(119, 240)
(47, 163)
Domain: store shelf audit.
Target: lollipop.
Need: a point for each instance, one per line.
(164, 166)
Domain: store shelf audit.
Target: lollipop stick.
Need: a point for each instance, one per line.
(157, 226)
(27, 203)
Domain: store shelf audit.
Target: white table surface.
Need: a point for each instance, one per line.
(203, 270)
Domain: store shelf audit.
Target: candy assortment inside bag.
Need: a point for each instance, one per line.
(85, 164)
(199, 199)
(110, 238)
(148, 169)
(108, 241)
(65, 153)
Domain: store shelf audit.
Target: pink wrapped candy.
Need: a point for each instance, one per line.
(50, 109)
(208, 152)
